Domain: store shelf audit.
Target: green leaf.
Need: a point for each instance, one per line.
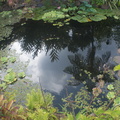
(4, 60)
(12, 59)
(10, 77)
(116, 17)
(117, 101)
(98, 17)
(21, 75)
(3, 86)
(116, 68)
(110, 87)
(110, 95)
(81, 19)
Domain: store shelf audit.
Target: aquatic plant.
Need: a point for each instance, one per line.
(12, 59)
(92, 107)
(10, 77)
(21, 75)
(4, 60)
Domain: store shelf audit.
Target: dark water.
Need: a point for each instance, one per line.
(57, 54)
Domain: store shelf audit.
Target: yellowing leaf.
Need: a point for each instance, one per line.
(116, 68)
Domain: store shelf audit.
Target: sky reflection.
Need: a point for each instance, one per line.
(51, 74)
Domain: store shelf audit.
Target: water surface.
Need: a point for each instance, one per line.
(57, 54)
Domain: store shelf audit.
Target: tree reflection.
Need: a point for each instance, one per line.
(87, 69)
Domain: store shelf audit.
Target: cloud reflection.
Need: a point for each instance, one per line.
(51, 74)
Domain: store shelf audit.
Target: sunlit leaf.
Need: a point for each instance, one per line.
(110, 95)
(10, 77)
(110, 87)
(3, 86)
(117, 101)
(116, 68)
(4, 60)
(21, 75)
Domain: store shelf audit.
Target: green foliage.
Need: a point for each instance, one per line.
(10, 112)
(97, 2)
(110, 87)
(21, 75)
(7, 19)
(98, 17)
(53, 15)
(117, 67)
(12, 59)
(10, 77)
(36, 99)
(111, 95)
(39, 105)
(3, 86)
(4, 60)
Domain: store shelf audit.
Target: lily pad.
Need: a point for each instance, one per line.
(3, 86)
(117, 101)
(81, 19)
(111, 95)
(98, 17)
(10, 78)
(21, 75)
(4, 60)
(110, 87)
(117, 59)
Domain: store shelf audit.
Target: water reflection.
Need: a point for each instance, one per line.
(51, 50)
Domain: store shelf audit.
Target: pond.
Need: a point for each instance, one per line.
(59, 58)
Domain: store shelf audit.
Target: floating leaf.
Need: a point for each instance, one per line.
(110, 87)
(4, 60)
(110, 95)
(12, 59)
(3, 86)
(98, 17)
(117, 59)
(81, 19)
(21, 75)
(116, 68)
(117, 101)
(10, 77)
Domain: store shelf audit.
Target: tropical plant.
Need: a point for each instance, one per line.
(10, 112)
(39, 105)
